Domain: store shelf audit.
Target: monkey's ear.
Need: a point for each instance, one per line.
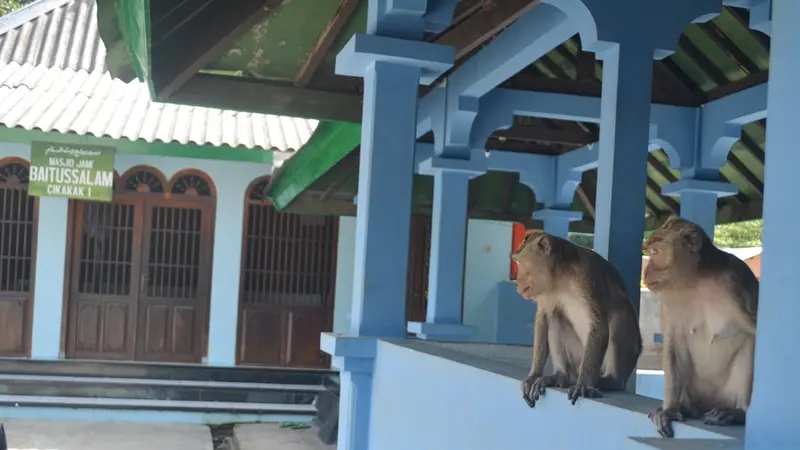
(544, 245)
(691, 239)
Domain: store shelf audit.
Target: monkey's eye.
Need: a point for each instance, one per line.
(653, 251)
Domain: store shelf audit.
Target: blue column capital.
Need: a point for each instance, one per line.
(438, 165)
(557, 220)
(686, 185)
(409, 19)
(365, 50)
(350, 353)
(560, 214)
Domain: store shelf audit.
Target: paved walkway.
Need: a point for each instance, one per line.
(269, 436)
(64, 435)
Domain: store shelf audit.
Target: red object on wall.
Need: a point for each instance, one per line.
(517, 236)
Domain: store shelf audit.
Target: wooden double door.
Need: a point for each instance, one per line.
(140, 279)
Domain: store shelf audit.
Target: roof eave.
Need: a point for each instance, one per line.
(330, 142)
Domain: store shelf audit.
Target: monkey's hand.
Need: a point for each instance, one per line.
(663, 418)
(580, 390)
(533, 387)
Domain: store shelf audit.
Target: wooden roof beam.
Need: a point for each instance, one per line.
(240, 94)
(211, 30)
(587, 191)
(717, 36)
(576, 138)
(752, 147)
(673, 205)
(326, 39)
(751, 178)
(483, 25)
(702, 61)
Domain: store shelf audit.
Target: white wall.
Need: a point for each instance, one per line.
(345, 255)
(231, 180)
(488, 263)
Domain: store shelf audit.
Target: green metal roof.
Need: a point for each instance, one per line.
(280, 60)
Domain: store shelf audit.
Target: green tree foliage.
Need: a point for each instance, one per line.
(729, 235)
(6, 6)
(738, 235)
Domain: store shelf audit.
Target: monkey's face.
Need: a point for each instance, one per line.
(661, 260)
(673, 252)
(533, 265)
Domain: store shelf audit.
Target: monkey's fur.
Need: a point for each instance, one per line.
(584, 319)
(709, 300)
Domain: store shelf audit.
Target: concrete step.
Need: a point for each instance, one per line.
(158, 405)
(164, 371)
(151, 392)
(137, 388)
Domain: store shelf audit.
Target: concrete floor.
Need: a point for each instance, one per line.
(64, 435)
(269, 436)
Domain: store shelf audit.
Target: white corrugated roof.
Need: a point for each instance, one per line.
(53, 78)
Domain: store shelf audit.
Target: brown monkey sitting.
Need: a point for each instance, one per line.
(709, 300)
(584, 319)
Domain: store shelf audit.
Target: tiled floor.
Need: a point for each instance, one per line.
(66, 435)
(269, 436)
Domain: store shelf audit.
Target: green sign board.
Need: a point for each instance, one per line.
(79, 172)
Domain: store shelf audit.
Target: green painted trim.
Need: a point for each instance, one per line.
(331, 142)
(134, 21)
(124, 27)
(157, 148)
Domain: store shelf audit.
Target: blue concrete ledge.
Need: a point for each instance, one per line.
(476, 404)
(650, 383)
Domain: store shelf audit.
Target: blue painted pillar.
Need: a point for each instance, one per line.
(622, 158)
(772, 418)
(392, 69)
(48, 297)
(699, 200)
(384, 200)
(556, 220)
(448, 248)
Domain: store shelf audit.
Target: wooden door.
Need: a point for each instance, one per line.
(419, 257)
(104, 284)
(17, 249)
(175, 280)
(287, 285)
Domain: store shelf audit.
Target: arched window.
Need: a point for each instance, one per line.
(143, 180)
(192, 184)
(17, 243)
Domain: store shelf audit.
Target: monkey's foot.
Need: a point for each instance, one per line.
(724, 416)
(663, 419)
(580, 390)
(533, 387)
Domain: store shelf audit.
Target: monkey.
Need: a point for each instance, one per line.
(584, 320)
(709, 303)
